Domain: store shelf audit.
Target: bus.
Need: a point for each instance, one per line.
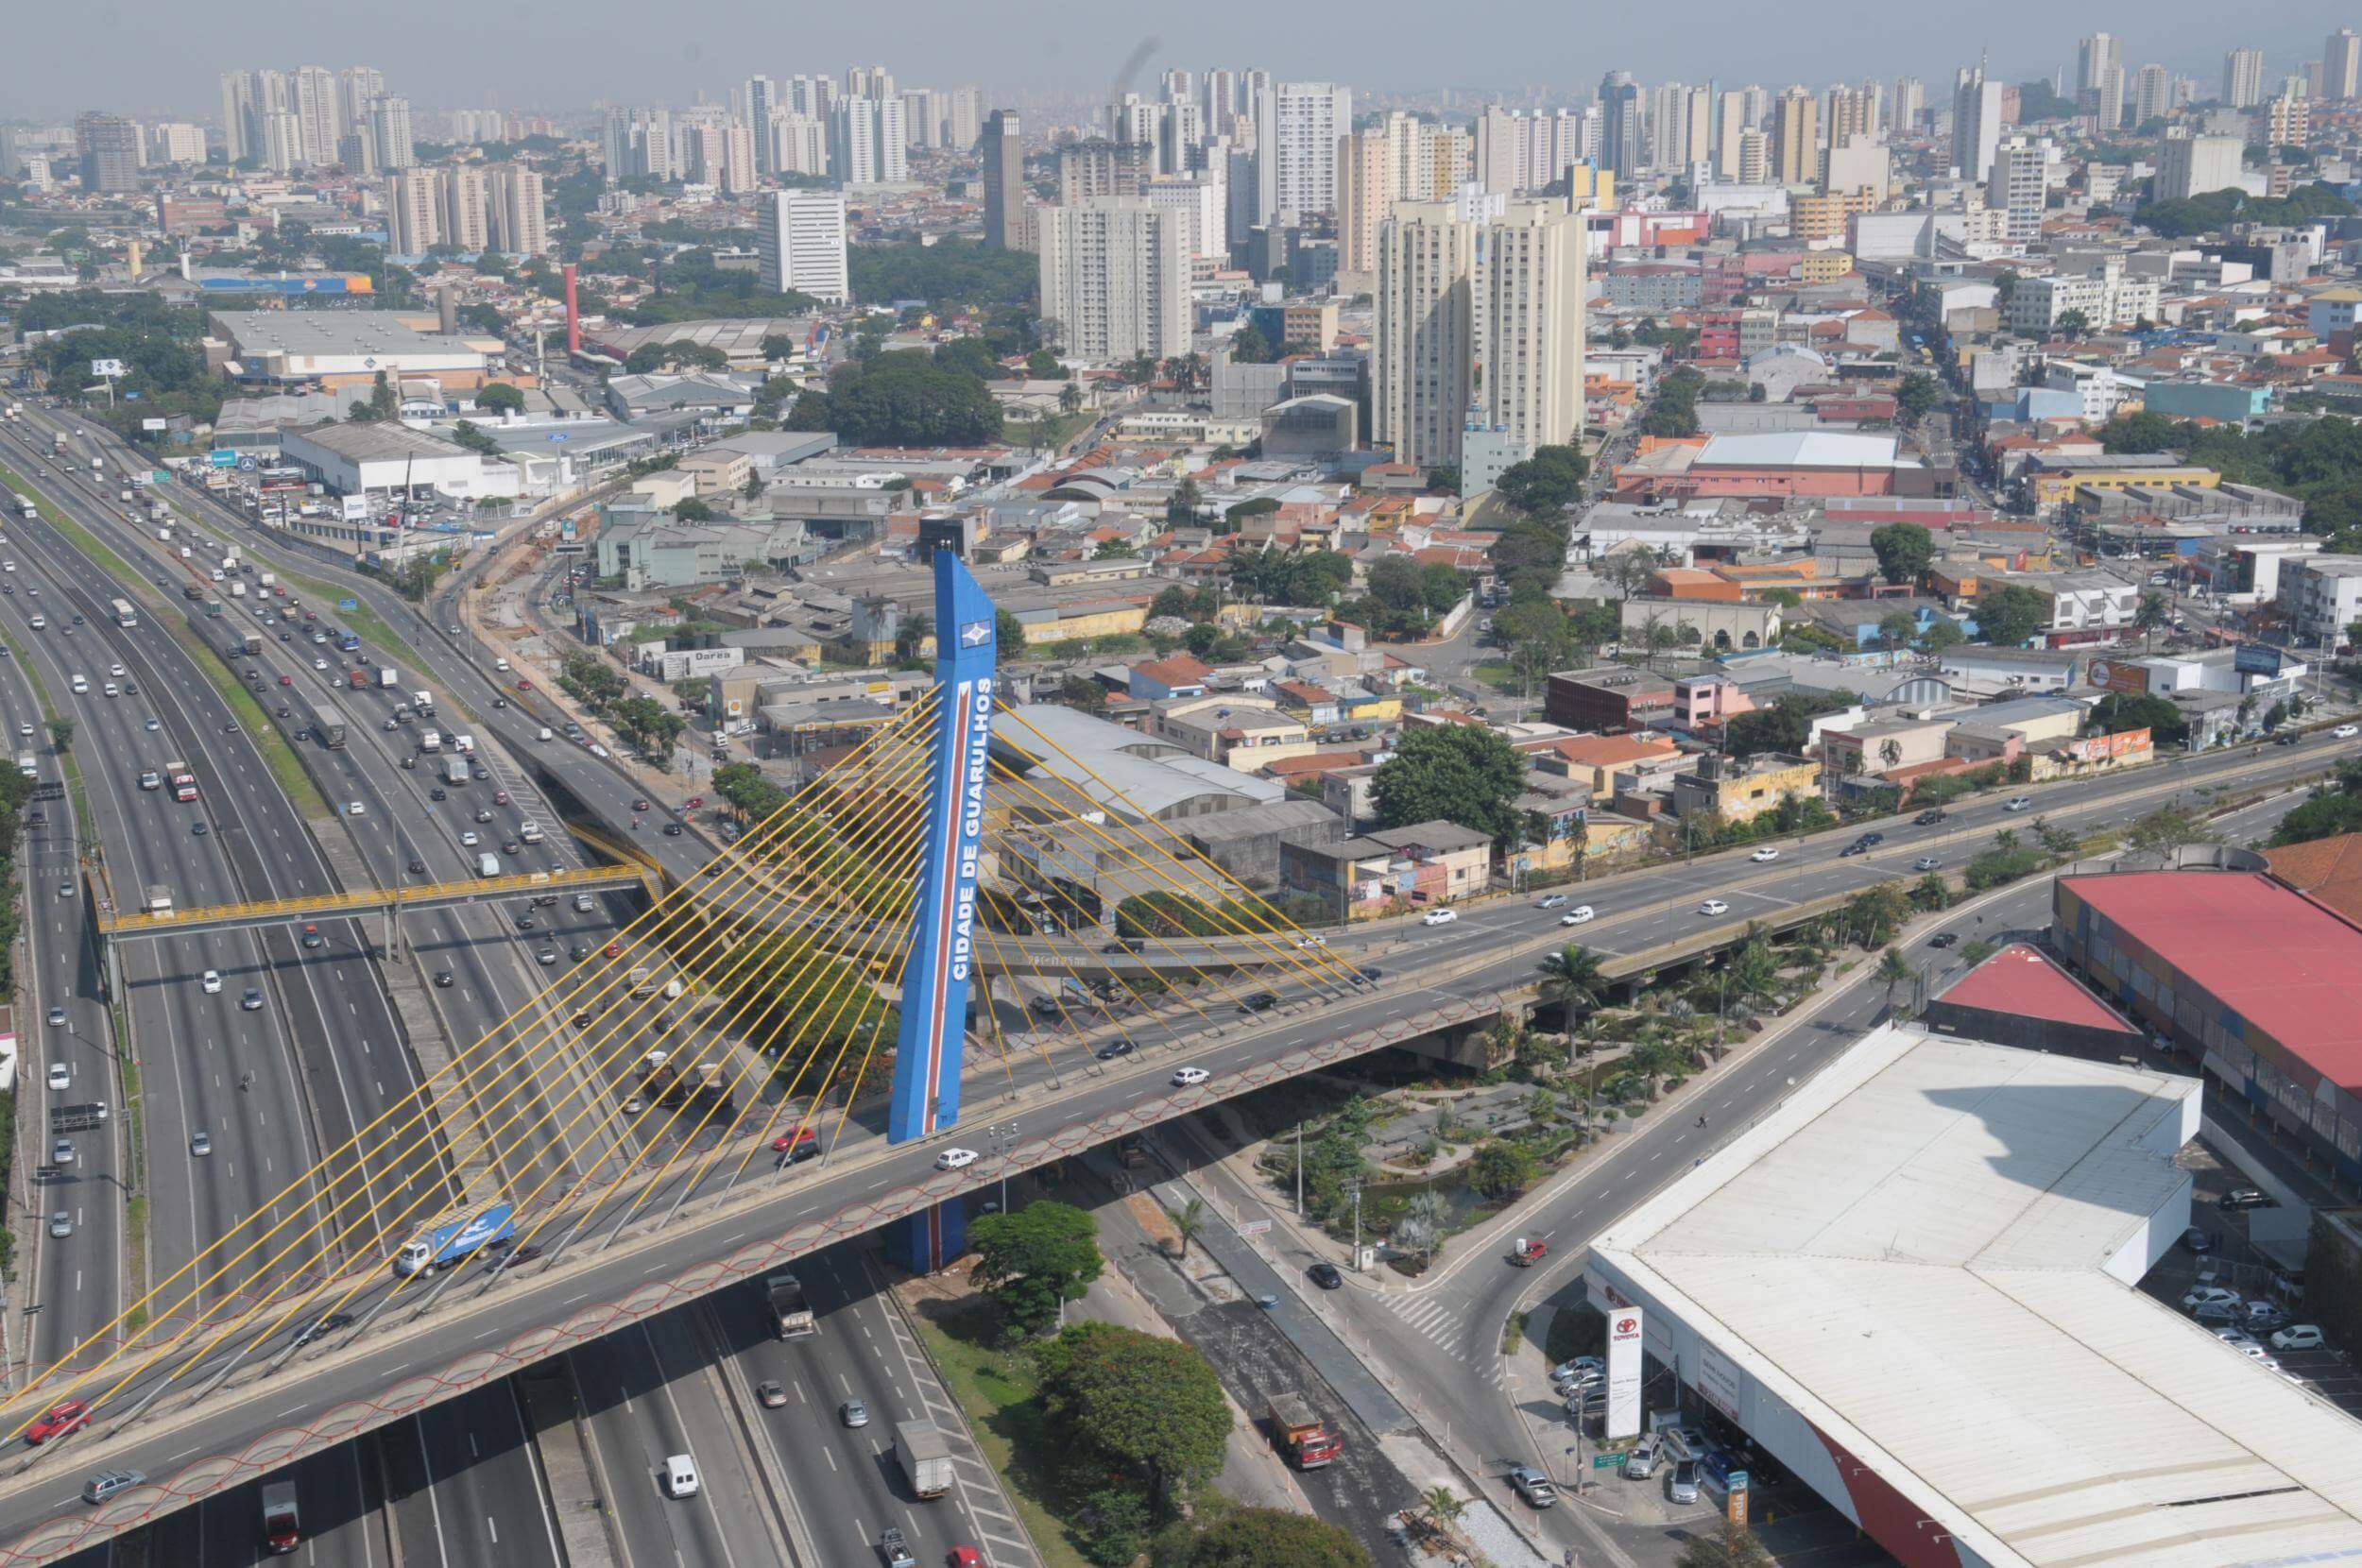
(328, 725)
(125, 616)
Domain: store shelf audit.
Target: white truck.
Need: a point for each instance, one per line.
(455, 770)
(529, 832)
(388, 678)
(429, 739)
(424, 703)
(925, 1457)
(463, 744)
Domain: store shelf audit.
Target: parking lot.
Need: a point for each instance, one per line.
(2234, 1263)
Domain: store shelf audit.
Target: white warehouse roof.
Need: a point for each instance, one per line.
(1927, 1253)
(1804, 448)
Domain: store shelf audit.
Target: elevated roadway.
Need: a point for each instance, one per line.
(478, 1325)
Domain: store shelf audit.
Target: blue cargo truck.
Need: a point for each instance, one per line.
(456, 1242)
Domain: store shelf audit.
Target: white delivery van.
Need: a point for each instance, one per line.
(487, 864)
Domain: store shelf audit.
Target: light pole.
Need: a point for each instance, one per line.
(1004, 1135)
(1355, 1189)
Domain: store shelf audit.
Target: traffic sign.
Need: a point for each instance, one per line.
(348, 604)
(1606, 1461)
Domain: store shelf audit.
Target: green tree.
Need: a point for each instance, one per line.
(467, 434)
(1189, 1223)
(2011, 615)
(1070, 398)
(1248, 345)
(1008, 633)
(778, 347)
(906, 398)
(60, 735)
(744, 787)
(1270, 1538)
(2330, 811)
(1904, 550)
(1185, 506)
(1576, 979)
(2167, 829)
(1502, 1169)
(2121, 710)
(500, 397)
(1931, 891)
(1874, 916)
(1030, 1261)
(2071, 323)
(1457, 773)
(1896, 969)
(690, 509)
(1546, 484)
(1147, 1407)
(1896, 629)
(1916, 395)
(2149, 616)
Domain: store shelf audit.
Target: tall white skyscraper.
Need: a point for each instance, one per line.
(319, 112)
(2094, 56)
(967, 118)
(812, 96)
(2243, 78)
(282, 146)
(1908, 102)
(799, 244)
(414, 212)
(466, 208)
(388, 125)
(1465, 302)
(867, 143)
(2152, 93)
(2019, 185)
(799, 143)
(868, 81)
(1115, 279)
(355, 86)
(1975, 124)
(1296, 128)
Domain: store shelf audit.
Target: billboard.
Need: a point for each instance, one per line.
(2253, 658)
(1623, 1373)
(155, 424)
(2111, 749)
(2118, 674)
(106, 367)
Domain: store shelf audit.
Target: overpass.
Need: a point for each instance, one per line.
(202, 1396)
(124, 924)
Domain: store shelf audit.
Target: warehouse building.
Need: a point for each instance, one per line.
(1912, 1286)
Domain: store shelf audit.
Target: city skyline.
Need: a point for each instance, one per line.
(1053, 48)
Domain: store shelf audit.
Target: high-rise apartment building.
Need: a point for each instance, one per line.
(922, 118)
(739, 172)
(2288, 121)
(1296, 128)
(2152, 95)
(1905, 108)
(319, 111)
(966, 122)
(1620, 124)
(1203, 207)
(1467, 302)
(355, 86)
(2243, 78)
(467, 218)
(1517, 153)
(519, 220)
(414, 212)
(2093, 57)
(2019, 186)
(356, 154)
(1432, 161)
(2193, 165)
(1796, 138)
(110, 149)
(1975, 124)
(638, 143)
(1851, 112)
(239, 110)
(1683, 132)
(388, 123)
(762, 101)
(2107, 111)
(799, 244)
(280, 147)
(1730, 123)
(868, 81)
(867, 142)
(1002, 150)
(1114, 280)
(2342, 65)
(812, 96)
(799, 143)
(1365, 197)
(1754, 157)
(1095, 168)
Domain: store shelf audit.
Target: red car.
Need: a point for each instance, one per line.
(500, 797)
(614, 949)
(968, 1556)
(694, 802)
(524, 685)
(639, 805)
(66, 1416)
(801, 1144)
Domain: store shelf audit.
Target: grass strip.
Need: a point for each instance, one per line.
(286, 768)
(998, 1392)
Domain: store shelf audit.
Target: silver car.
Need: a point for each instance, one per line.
(1681, 1485)
(1640, 1464)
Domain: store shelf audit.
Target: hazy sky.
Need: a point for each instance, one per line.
(152, 55)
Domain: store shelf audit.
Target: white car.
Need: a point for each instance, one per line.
(211, 982)
(1183, 1078)
(1438, 917)
(2204, 1293)
(2347, 732)
(1580, 914)
(2298, 1336)
(61, 1076)
(115, 670)
(1312, 941)
(319, 664)
(956, 1159)
(467, 839)
(1714, 905)
(1766, 853)
(357, 808)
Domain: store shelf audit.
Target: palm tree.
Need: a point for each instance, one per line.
(1895, 969)
(1188, 1221)
(1443, 1505)
(1573, 978)
(2151, 613)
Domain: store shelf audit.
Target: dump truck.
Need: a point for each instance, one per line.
(1299, 1434)
(789, 1311)
(925, 1457)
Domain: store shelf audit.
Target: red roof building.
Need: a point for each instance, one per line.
(2241, 973)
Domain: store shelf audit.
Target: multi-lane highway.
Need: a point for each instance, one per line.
(1054, 1102)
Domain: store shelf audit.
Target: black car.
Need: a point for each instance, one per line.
(1372, 973)
(672, 829)
(2247, 1197)
(2288, 738)
(442, 979)
(438, 793)
(1260, 1001)
(1873, 837)
(418, 868)
(1856, 847)
(1325, 1276)
(1930, 817)
(525, 922)
(1944, 939)
(329, 1324)
(1113, 1048)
